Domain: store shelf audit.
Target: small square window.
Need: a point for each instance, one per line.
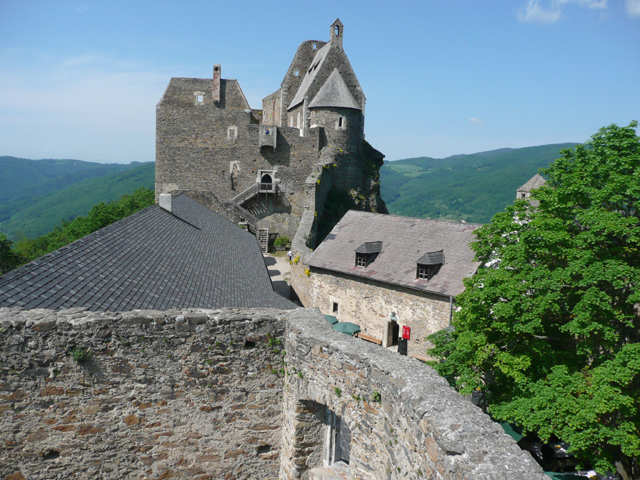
(232, 132)
(362, 260)
(427, 271)
(199, 99)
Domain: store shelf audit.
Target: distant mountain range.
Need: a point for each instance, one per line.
(470, 187)
(36, 195)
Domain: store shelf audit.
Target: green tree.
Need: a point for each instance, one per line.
(549, 326)
(8, 258)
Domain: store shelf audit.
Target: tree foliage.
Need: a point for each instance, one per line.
(8, 258)
(100, 216)
(549, 326)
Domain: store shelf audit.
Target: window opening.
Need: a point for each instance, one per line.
(362, 259)
(337, 30)
(335, 307)
(199, 98)
(266, 183)
(232, 132)
(429, 264)
(338, 439)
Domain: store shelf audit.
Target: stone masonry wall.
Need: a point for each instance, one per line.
(193, 394)
(405, 421)
(229, 394)
(369, 304)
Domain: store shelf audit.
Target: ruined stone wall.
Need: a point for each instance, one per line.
(292, 79)
(192, 395)
(369, 304)
(405, 422)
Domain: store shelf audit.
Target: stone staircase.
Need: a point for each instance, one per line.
(246, 194)
(263, 239)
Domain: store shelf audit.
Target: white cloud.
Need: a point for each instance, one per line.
(475, 120)
(633, 8)
(535, 12)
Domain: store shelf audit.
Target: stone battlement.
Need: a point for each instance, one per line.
(240, 394)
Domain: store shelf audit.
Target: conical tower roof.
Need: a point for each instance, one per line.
(334, 93)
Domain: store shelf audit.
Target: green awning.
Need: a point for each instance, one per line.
(508, 429)
(564, 476)
(331, 319)
(347, 328)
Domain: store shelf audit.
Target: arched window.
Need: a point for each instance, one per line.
(266, 183)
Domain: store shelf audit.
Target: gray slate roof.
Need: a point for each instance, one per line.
(369, 247)
(153, 259)
(334, 93)
(432, 258)
(405, 241)
(534, 182)
(310, 76)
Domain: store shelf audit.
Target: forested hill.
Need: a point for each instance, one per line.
(470, 187)
(36, 195)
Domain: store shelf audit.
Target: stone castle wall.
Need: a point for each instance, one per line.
(229, 394)
(404, 420)
(164, 395)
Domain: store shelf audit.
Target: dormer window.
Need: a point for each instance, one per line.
(367, 253)
(429, 264)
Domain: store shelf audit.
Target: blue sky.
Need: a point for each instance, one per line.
(81, 79)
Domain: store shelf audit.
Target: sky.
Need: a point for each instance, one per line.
(81, 79)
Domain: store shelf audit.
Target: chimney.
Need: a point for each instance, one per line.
(164, 201)
(215, 86)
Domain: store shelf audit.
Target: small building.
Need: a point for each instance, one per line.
(524, 191)
(384, 272)
(178, 254)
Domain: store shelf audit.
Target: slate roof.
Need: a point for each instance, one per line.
(334, 93)
(153, 259)
(370, 247)
(405, 240)
(534, 182)
(432, 258)
(310, 75)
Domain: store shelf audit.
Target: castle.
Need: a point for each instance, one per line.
(185, 392)
(293, 167)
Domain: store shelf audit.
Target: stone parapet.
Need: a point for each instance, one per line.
(242, 394)
(404, 419)
(194, 394)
